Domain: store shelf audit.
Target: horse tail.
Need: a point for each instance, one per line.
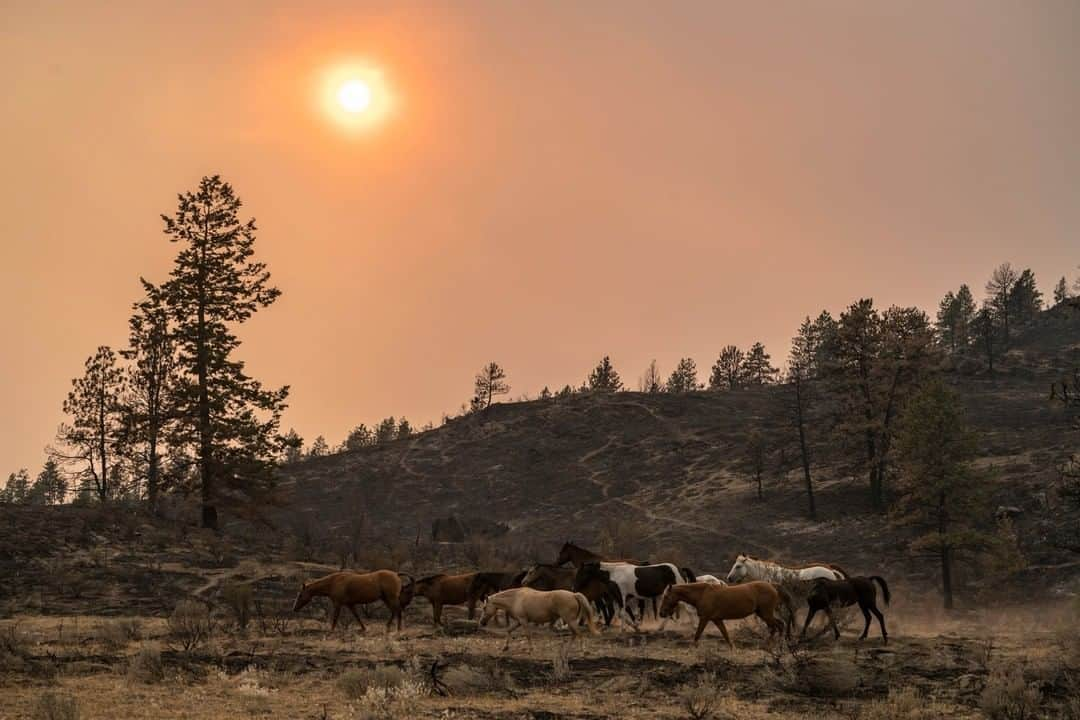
(584, 608)
(884, 587)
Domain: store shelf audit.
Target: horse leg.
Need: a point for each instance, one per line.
(809, 616)
(334, 617)
(510, 631)
(881, 623)
(832, 621)
(472, 607)
(723, 629)
(702, 622)
(866, 617)
(436, 613)
(352, 608)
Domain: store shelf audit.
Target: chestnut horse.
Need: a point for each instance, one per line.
(350, 589)
(445, 589)
(717, 603)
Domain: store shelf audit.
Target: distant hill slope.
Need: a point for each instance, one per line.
(557, 469)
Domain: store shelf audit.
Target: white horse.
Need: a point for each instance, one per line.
(750, 568)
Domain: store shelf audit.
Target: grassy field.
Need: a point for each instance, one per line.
(1019, 662)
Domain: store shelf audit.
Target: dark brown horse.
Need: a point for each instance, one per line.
(845, 593)
(443, 590)
(350, 589)
(578, 556)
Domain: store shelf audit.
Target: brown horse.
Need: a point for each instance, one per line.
(716, 603)
(350, 589)
(605, 595)
(445, 589)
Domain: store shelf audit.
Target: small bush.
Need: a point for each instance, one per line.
(274, 616)
(903, 704)
(1008, 696)
(190, 625)
(355, 683)
(116, 634)
(238, 598)
(145, 666)
(698, 699)
(56, 705)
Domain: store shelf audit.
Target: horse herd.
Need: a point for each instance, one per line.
(580, 583)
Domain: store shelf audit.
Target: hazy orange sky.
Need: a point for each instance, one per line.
(558, 181)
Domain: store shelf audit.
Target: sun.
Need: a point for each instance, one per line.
(354, 96)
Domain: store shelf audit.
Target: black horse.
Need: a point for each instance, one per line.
(844, 593)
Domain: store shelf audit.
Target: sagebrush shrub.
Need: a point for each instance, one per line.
(146, 666)
(56, 705)
(190, 624)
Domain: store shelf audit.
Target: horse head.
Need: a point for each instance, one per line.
(303, 597)
(739, 571)
(532, 575)
(669, 602)
(488, 611)
(566, 554)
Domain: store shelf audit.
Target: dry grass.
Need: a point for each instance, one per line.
(145, 666)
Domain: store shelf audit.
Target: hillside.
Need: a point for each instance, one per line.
(668, 468)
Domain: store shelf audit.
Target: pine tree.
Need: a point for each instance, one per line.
(490, 381)
(650, 381)
(754, 458)
(940, 490)
(292, 447)
(545, 394)
(226, 416)
(947, 317)
(50, 487)
(964, 317)
(404, 429)
(684, 378)
(825, 333)
(757, 368)
(985, 331)
(386, 430)
(881, 358)
(359, 437)
(727, 370)
(604, 378)
(1061, 291)
(17, 489)
(1025, 300)
(93, 440)
(150, 381)
(999, 289)
(802, 369)
(319, 448)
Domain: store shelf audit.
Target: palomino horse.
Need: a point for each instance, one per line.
(798, 581)
(486, 583)
(605, 596)
(845, 593)
(633, 581)
(351, 589)
(540, 607)
(717, 603)
(446, 590)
